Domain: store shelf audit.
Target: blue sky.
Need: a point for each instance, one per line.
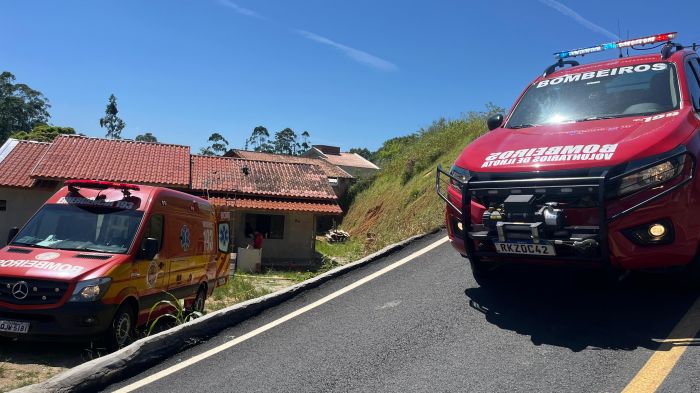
(352, 73)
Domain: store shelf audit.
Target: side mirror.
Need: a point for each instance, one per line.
(12, 234)
(151, 248)
(494, 121)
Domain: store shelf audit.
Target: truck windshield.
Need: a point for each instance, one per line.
(69, 227)
(643, 89)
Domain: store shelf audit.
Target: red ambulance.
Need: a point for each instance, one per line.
(92, 262)
(594, 165)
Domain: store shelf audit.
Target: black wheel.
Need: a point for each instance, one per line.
(123, 328)
(198, 304)
(484, 273)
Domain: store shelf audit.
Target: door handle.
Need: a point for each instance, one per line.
(161, 265)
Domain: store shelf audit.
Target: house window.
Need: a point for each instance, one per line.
(271, 226)
(3, 205)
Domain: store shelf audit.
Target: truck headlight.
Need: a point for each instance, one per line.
(90, 290)
(460, 174)
(653, 176)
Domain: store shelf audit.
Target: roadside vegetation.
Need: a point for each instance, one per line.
(399, 201)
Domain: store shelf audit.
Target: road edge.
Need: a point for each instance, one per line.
(146, 352)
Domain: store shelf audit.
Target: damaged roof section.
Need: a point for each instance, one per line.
(329, 169)
(265, 185)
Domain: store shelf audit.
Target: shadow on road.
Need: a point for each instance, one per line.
(574, 309)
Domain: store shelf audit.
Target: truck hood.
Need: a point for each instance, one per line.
(586, 144)
(48, 264)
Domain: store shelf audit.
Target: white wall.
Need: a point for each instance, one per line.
(22, 203)
(298, 247)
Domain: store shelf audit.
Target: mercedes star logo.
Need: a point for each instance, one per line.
(20, 290)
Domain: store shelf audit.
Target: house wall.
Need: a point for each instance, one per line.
(22, 203)
(358, 172)
(296, 248)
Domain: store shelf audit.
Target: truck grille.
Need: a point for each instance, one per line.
(31, 292)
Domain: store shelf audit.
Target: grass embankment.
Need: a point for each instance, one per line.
(400, 200)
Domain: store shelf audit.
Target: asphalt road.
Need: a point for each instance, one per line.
(427, 326)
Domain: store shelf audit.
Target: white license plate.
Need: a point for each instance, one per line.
(525, 249)
(14, 327)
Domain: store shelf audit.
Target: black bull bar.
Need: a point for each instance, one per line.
(595, 183)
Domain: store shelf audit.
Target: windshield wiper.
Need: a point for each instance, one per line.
(521, 126)
(599, 118)
(28, 245)
(83, 249)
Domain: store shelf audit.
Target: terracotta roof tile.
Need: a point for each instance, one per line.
(264, 178)
(20, 159)
(78, 157)
(329, 169)
(278, 204)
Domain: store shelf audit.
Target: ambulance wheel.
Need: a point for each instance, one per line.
(198, 304)
(484, 273)
(123, 328)
(692, 272)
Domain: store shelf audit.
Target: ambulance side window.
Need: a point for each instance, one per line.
(154, 230)
(692, 74)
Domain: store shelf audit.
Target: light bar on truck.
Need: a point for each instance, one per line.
(101, 185)
(618, 44)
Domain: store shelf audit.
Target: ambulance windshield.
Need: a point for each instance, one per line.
(70, 227)
(643, 89)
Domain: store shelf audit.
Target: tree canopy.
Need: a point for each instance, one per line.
(43, 133)
(111, 121)
(259, 140)
(218, 145)
(146, 137)
(364, 152)
(286, 142)
(21, 107)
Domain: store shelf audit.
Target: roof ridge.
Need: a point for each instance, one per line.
(122, 140)
(253, 160)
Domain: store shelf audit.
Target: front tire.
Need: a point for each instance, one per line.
(123, 328)
(484, 273)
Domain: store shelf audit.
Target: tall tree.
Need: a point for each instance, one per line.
(285, 142)
(146, 137)
(43, 133)
(217, 147)
(111, 121)
(258, 139)
(305, 144)
(21, 107)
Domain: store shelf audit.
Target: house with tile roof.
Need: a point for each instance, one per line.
(339, 179)
(351, 163)
(282, 200)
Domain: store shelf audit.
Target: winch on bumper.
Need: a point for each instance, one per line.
(572, 216)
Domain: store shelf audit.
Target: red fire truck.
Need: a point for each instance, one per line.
(594, 165)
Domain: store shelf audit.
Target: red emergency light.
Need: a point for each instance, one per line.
(101, 185)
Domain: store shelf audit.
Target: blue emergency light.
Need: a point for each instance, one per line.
(615, 45)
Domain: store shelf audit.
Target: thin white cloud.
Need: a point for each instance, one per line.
(241, 10)
(579, 19)
(355, 54)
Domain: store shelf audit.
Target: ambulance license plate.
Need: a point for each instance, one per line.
(14, 327)
(525, 249)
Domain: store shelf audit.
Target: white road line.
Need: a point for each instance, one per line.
(238, 340)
